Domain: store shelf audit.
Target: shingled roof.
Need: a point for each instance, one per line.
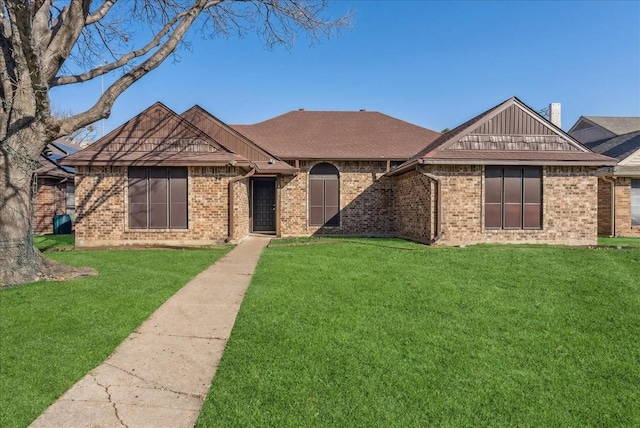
(619, 147)
(617, 125)
(334, 135)
(510, 133)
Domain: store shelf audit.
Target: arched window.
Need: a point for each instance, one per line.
(324, 195)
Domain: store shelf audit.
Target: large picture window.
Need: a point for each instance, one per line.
(513, 197)
(324, 195)
(635, 202)
(157, 198)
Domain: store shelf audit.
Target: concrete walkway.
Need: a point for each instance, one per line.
(160, 375)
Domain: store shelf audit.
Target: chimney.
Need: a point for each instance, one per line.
(554, 114)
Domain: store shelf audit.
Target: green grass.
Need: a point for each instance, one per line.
(57, 242)
(616, 241)
(53, 333)
(366, 335)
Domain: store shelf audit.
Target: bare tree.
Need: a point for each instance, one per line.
(50, 43)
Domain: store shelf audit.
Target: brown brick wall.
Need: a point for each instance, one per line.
(569, 207)
(371, 205)
(366, 201)
(415, 207)
(461, 202)
(623, 208)
(50, 201)
(241, 217)
(101, 214)
(604, 207)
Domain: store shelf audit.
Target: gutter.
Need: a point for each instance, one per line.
(438, 201)
(230, 204)
(613, 204)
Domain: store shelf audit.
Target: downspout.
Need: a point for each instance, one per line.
(438, 201)
(613, 204)
(232, 182)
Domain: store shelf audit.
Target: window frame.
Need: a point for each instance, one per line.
(513, 197)
(70, 200)
(161, 195)
(326, 180)
(634, 202)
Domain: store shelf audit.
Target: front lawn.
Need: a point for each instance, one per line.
(53, 333)
(618, 241)
(55, 242)
(356, 334)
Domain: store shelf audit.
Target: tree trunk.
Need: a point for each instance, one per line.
(20, 261)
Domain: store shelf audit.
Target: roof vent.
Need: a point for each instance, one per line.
(362, 109)
(300, 109)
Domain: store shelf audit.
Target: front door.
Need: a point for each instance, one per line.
(264, 204)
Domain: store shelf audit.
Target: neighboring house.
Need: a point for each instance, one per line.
(54, 188)
(618, 187)
(192, 179)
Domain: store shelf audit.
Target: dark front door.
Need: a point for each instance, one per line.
(264, 205)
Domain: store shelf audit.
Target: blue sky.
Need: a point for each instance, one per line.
(435, 64)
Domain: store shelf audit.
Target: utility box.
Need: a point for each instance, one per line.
(62, 224)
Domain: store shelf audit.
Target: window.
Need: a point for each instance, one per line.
(513, 198)
(157, 198)
(394, 164)
(70, 196)
(635, 202)
(324, 195)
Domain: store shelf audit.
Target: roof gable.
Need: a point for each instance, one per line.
(157, 128)
(632, 160)
(156, 136)
(510, 132)
(225, 135)
(511, 125)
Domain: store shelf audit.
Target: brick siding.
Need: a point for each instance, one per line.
(415, 207)
(241, 209)
(569, 207)
(371, 205)
(102, 207)
(604, 207)
(50, 201)
(623, 208)
(366, 201)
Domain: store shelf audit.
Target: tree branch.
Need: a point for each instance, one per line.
(41, 19)
(102, 107)
(100, 12)
(71, 22)
(124, 59)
